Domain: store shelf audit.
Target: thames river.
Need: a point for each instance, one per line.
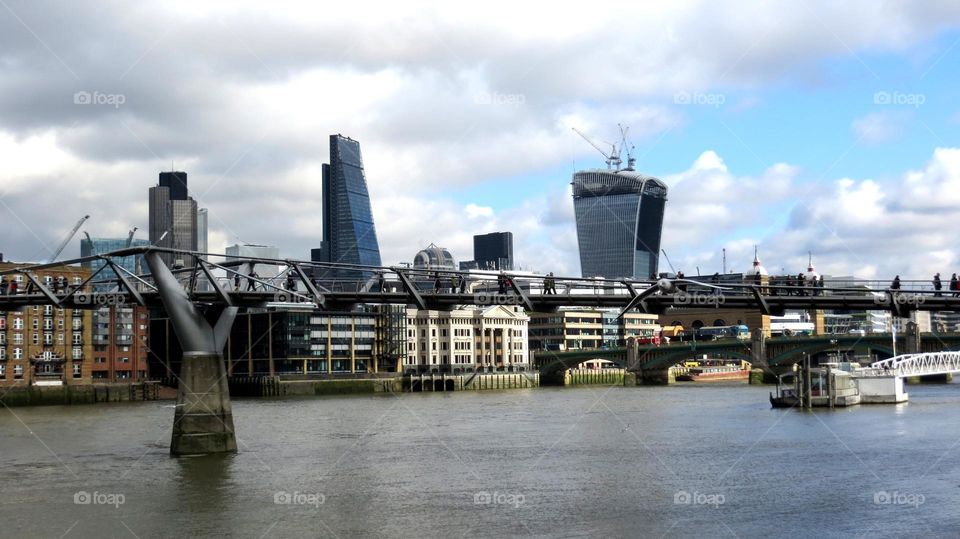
(679, 461)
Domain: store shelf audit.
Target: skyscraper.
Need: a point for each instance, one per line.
(173, 217)
(202, 230)
(99, 246)
(349, 236)
(619, 218)
(494, 250)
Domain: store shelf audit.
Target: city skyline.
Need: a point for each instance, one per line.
(791, 140)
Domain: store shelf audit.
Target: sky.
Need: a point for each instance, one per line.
(821, 127)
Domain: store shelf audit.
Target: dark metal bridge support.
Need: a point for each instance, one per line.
(203, 421)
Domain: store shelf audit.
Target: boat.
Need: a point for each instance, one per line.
(714, 373)
(787, 396)
(822, 386)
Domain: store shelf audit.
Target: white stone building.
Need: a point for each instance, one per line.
(491, 339)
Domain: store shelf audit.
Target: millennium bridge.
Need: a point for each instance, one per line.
(203, 296)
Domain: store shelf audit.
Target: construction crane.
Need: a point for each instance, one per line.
(70, 236)
(625, 146)
(612, 159)
(93, 250)
(130, 236)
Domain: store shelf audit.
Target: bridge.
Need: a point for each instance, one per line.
(925, 364)
(202, 299)
(777, 354)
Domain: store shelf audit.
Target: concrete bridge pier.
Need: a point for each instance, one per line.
(203, 421)
(656, 377)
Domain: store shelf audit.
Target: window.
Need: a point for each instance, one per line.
(18, 323)
(18, 353)
(76, 338)
(3, 353)
(77, 352)
(36, 338)
(124, 360)
(3, 370)
(18, 338)
(18, 371)
(76, 370)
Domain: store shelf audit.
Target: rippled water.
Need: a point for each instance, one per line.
(552, 462)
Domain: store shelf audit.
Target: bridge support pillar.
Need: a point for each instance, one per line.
(656, 377)
(203, 421)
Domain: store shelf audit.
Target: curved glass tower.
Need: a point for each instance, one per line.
(619, 222)
(349, 236)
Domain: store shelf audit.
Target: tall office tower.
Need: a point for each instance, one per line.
(202, 230)
(173, 217)
(349, 236)
(494, 250)
(619, 216)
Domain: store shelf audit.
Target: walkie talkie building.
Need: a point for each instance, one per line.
(619, 222)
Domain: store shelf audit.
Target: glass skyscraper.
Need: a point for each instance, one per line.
(174, 218)
(349, 236)
(99, 246)
(619, 218)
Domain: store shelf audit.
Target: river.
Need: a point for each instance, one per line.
(678, 461)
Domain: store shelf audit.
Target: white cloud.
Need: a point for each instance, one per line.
(879, 127)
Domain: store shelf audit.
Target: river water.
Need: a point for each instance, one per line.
(679, 461)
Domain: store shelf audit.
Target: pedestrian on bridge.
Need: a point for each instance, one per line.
(895, 285)
(954, 285)
(463, 284)
(13, 287)
(3, 285)
(251, 280)
(937, 285)
(382, 281)
(501, 283)
(236, 281)
(436, 282)
(291, 282)
(454, 283)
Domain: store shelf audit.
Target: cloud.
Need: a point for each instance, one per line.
(879, 127)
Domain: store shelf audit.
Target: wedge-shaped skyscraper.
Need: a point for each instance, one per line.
(349, 236)
(619, 218)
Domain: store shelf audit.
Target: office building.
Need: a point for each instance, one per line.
(619, 217)
(349, 235)
(120, 343)
(265, 271)
(298, 343)
(202, 221)
(582, 329)
(493, 251)
(173, 218)
(95, 246)
(492, 339)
